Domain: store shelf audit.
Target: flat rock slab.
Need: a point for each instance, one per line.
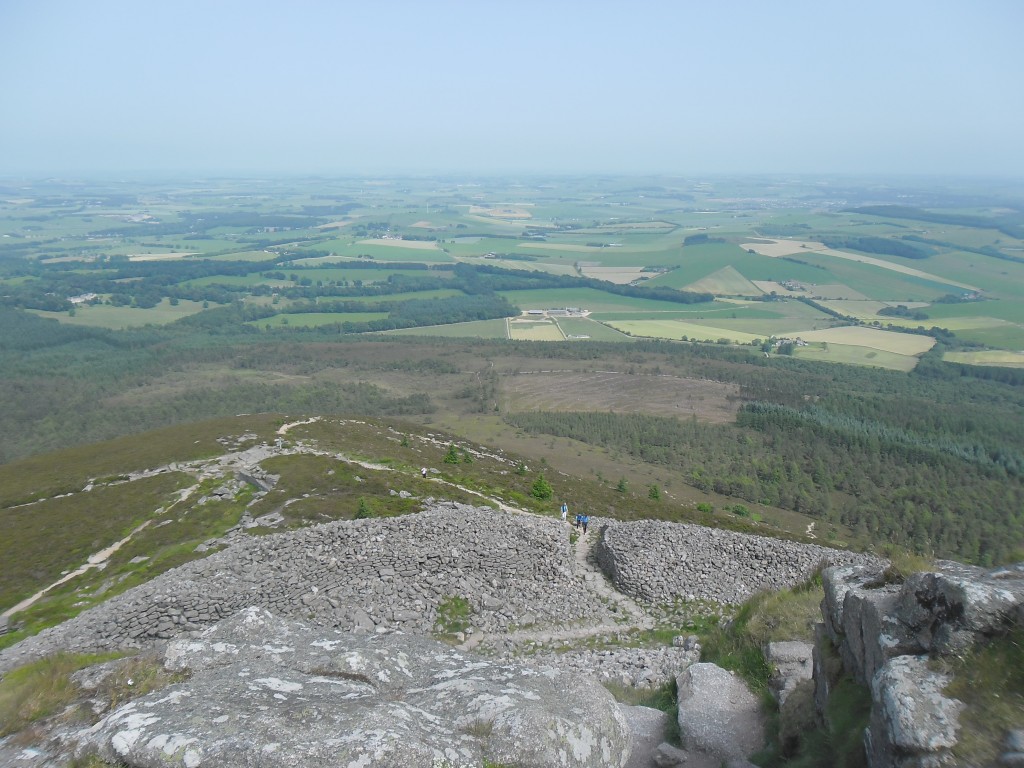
(718, 714)
(273, 692)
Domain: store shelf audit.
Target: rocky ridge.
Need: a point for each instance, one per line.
(885, 631)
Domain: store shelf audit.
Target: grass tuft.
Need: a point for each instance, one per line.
(41, 689)
(453, 616)
(665, 698)
(990, 682)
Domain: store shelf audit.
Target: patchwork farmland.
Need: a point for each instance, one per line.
(640, 264)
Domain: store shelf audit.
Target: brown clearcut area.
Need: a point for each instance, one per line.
(709, 401)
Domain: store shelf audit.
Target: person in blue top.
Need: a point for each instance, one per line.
(585, 520)
(565, 511)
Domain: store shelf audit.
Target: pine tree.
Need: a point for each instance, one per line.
(364, 510)
(541, 489)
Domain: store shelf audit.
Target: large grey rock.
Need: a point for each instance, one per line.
(913, 725)
(273, 692)
(883, 633)
(648, 728)
(667, 756)
(958, 605)
(836, 582)
(791, 664)
(865, 619)
(718, 714)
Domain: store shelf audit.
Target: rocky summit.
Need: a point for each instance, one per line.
(275, 692)
(316, 647)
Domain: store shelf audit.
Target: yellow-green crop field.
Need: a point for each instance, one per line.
(677, 329)
(856, 355)
(525, 330)
(987, 357)
(952, 323)
(727, 280)
(872, 338)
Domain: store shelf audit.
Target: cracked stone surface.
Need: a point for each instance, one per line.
(275, 692)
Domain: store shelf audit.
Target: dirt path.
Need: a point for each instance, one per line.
(96, 560)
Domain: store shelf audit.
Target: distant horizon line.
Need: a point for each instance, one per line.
(256, 174)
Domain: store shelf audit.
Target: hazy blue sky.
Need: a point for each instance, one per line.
(383, 86)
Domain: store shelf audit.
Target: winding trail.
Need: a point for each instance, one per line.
(632, 616)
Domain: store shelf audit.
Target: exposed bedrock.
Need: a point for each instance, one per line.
(274, 692)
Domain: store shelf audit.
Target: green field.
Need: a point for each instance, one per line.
(246, 256)
(118, 318)
(440, 293)
(588, 298)
(241, 281)
(316, 319)
(592, 329)
(386, 253)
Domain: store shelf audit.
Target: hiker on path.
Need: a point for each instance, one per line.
(565, 511)
(585, 520)
(579, 520)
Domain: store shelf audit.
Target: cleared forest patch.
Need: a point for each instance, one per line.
(710, 401)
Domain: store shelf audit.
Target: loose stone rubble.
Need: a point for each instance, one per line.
(361, 575)
(387, 574)
(659, 562)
